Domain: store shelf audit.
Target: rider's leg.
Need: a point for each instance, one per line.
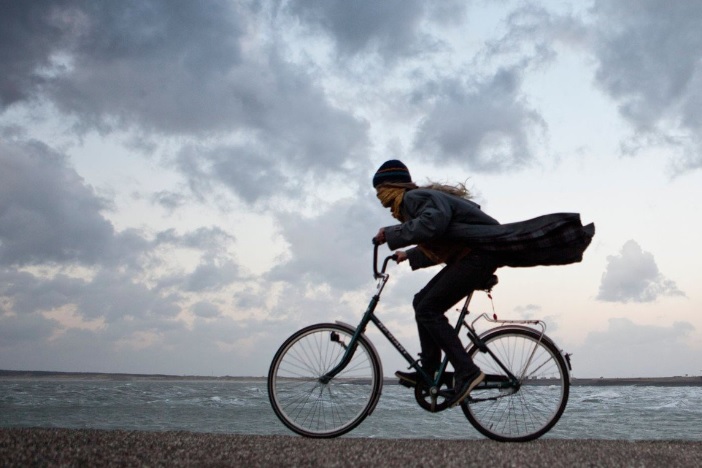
(450, 285)
(430, 367)
(431, 351)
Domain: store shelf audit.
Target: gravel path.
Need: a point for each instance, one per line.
(88, 447)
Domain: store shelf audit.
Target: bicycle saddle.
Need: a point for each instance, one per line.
(490, 283)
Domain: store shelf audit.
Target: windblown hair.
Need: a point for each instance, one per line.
(459, 189)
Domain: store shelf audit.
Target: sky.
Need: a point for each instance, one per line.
(185, 184)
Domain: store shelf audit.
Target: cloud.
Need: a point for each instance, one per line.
(533, 36)
(332, 248)
(246, 172)
(70, 323)
(160, 68)
(486, 125)
(215, 269)
(527, 311)
(633, 276)
(170, 201)
(30, 34)
(47, 211)
(16, 329)
(130, 60)
(391, 28)
(633, 350)
(228, 108)
(211, 274)
(212, 240)
(649, 62)
(205, 310)
(113, 296)
(212, 345)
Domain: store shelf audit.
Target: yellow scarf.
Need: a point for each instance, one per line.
(391, 197)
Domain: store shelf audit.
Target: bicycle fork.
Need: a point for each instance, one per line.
(350, 348)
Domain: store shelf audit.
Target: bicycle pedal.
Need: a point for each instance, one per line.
(405, 383)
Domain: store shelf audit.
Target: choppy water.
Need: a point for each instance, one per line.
(626, 412)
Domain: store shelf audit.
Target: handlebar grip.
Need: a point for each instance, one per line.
(376, 273)
(375, 259)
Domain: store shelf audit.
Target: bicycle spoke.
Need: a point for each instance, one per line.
(306, 404)
(505, 412)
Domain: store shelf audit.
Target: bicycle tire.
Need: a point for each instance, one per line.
(323, 410)
(531, 410)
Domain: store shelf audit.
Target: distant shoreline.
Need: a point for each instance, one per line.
(48, 375)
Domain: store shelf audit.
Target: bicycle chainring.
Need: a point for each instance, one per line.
(429, 402)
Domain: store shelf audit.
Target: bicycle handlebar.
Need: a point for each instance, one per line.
(377, 274)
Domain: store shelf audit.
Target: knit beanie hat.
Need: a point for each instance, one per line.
(392, 171)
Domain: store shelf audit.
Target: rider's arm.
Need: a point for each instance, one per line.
(430, 215)
(418, 259)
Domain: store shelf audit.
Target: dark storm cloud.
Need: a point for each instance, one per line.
(30, 33)
(117, 62)
(250, 174)
(650, 62)
(633, 276)
(314, 140)
(47, 212)
(175, 68)
(392, 28)
(485, 121)
(486, 125)
(160, 65)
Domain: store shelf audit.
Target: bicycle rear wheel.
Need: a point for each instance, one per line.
(529, 410)
(310, 407)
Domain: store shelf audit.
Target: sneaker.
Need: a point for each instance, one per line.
(408, 379)
(464, 387)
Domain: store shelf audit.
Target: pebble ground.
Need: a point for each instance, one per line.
(88, 447)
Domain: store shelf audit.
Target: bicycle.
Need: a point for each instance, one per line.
(326, 378)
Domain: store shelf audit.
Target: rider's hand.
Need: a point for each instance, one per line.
(400, 256)
(380, 237)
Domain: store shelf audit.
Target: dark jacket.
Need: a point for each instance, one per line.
(434, 216)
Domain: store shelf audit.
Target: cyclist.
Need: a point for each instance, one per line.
(448, 228)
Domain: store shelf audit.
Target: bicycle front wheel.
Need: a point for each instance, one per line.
(311, 407)
(525, 412)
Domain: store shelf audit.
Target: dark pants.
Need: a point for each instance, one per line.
(454, 282)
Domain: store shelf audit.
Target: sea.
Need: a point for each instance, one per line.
(630, 412)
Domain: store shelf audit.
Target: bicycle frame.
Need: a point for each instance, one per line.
(431, 381)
